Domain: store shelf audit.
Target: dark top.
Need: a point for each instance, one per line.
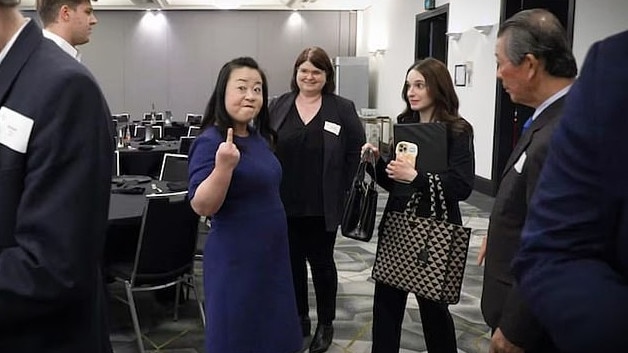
(343, 136)
(457, 181)
(300, 148)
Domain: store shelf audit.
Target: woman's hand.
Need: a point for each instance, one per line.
(401, 170)
(374, 149)
(227, 154)
(482, 252)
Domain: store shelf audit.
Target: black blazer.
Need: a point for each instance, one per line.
(501, 304)
(457, 180)
(54, 203)
(341, 153)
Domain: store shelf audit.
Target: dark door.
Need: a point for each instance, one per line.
(510, 117)
(431, 40)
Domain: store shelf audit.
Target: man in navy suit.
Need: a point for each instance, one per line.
(573, 262)
(55, 173)
(536, 68)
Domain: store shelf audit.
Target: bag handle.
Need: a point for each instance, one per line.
(368, 158)
(437, 200)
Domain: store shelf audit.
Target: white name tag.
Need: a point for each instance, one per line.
(332, 127)
(15, 129)
(520, 163)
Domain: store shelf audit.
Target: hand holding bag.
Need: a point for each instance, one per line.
(426, 256)
(358, 216)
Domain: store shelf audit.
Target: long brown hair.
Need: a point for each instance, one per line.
(441, 90)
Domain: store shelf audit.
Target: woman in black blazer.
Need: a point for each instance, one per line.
(318, 145)
(430, 97)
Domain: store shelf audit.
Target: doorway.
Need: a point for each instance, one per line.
(430, 38)
(510, 117)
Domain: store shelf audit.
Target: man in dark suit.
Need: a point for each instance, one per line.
(573, 262)
(55, 173)
(536, 68)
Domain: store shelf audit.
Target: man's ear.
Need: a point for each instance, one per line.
(64, 13)
(532, 64)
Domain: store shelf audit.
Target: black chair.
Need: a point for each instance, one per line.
(123, 117)
(115, 171)
(114, 123)
(159, 116)
(158, 132)
(174, 167)
(185, 142)
(193, 119)
(164, 255)
(194, 131)
(140, 132)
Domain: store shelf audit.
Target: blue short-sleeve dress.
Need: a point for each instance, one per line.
(249, 297)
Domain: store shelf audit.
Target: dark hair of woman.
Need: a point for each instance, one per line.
(441, 90)
(319, 58)
(216, 112)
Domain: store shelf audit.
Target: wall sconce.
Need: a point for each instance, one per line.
(484, 29)
(454, 35)
(377, 52)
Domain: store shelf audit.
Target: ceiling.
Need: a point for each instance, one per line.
(223, 4)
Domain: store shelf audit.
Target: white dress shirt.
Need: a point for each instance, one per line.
(549, 101)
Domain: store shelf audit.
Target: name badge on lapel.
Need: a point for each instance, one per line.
(332, 127)
(520, 162)
(15, 129)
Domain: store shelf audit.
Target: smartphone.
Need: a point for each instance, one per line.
(407, 151)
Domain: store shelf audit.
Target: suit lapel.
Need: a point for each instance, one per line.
(546, 116)
(17, 56)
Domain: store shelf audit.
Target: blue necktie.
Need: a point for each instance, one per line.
(526, 125)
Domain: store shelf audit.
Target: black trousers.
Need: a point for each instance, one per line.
(309, 241)
(388, 309)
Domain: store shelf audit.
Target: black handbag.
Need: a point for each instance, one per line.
(358, 216)
(423, 255)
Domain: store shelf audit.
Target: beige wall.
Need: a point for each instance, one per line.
(173, 58)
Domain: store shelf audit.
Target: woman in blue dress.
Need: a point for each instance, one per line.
(234, 178)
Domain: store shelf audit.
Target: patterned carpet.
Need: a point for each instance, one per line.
(354, 309)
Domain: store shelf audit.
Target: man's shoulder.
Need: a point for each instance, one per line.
(56, 61)
(616, 41)
(50, 64)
